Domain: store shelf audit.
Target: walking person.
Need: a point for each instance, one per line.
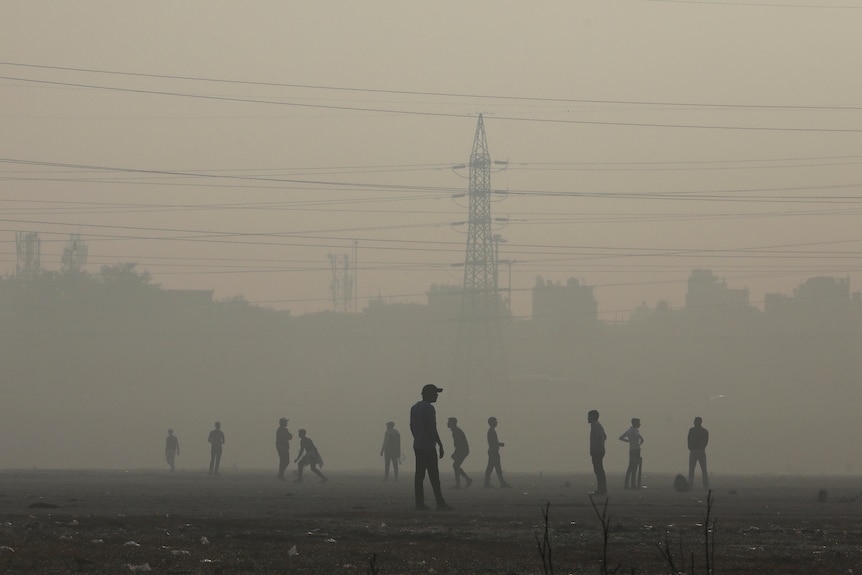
(172, 448)
(494, 445)
(597, 451)
(634, 438)
(698, 437)
(216, 440)
(308, 456)
(423, 426)
(462, 450)
(391, 450)
(282, 446)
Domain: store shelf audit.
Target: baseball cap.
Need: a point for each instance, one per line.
(431, 387)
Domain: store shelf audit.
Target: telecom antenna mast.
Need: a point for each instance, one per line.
(29, 248)
(341, 285)
(479, 353)
(74, 254)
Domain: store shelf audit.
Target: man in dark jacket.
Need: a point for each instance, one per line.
(282, 445)
(597, 451)
(698, 437)
(494, 445)
(391, 449)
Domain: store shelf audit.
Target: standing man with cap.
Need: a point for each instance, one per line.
(282, 445)
(423, 425)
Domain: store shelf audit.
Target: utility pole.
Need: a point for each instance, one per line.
(479, 353)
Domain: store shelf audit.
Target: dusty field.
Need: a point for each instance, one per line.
(247, 522)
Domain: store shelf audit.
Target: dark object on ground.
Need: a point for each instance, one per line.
(680, 483)
(42, 505)
(822, 496)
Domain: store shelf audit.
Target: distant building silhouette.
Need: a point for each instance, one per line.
(818, 305)
(709, 294)
(568, 308)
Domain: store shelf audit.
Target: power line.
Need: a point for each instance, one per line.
(759, 4)
(459, 116)
(427, 93)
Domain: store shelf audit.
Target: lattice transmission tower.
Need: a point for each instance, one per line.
(479, 353)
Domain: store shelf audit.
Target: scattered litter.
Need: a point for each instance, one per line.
(179, 552)
(97, 540)
(65, 537)
(209, 560)
(204, 541)
(139, 568)
(5, 548)
(330, 540)
(292, 552)
(73, 523)
(131, 544)
(382, 525)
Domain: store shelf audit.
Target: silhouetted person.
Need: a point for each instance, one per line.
(423, 426)
(597, 451)
(634, 438)
(391, 450)
(216, 440)
(494, 446)
(698, 437)
(308, 455)
(172, 448)
(462, 450)
(282, 445)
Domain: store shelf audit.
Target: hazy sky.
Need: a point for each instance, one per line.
(234, 145)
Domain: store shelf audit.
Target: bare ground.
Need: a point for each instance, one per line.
(248, 522)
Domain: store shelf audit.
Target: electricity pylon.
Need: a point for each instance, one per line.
(479, 352)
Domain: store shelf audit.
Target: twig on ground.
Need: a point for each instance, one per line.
(605, 520)
(544, 545)
(372, 569)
